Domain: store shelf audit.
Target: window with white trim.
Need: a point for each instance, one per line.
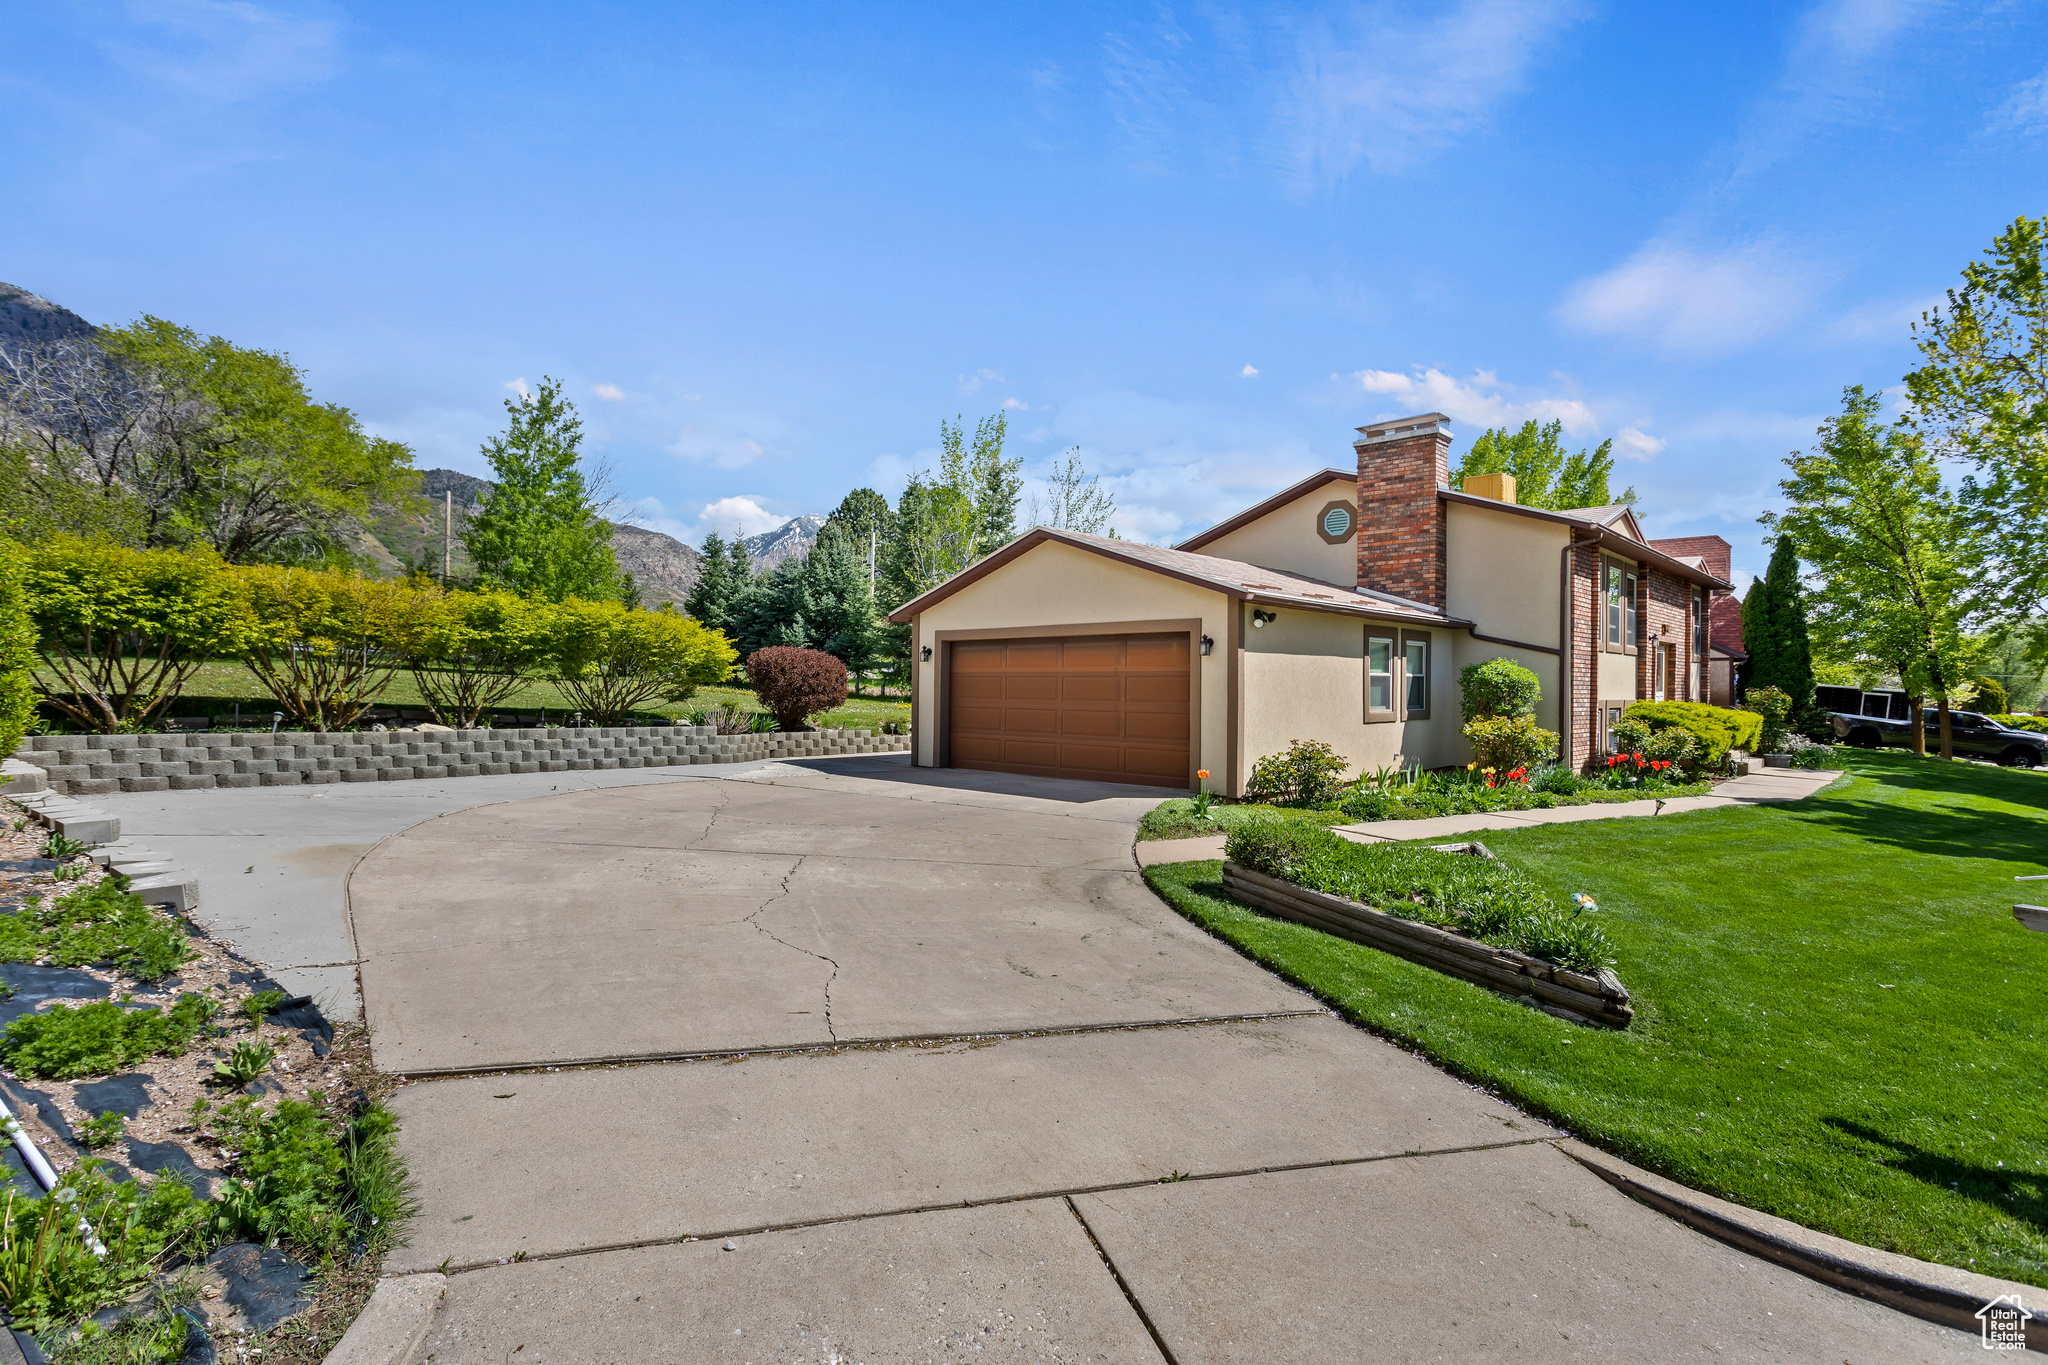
(1621, 606)
(1415, 672)
(1379, 677)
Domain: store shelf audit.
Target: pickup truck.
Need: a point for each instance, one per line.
(1974, 736)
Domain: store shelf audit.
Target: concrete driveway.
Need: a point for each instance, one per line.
(845, 1062)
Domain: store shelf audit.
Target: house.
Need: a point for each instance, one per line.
(1339, 609)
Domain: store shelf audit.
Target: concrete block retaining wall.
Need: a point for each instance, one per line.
(87, 764)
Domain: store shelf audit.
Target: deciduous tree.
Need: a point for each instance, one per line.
(543, 531)
(1545, 475)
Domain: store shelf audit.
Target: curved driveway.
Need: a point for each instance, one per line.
(951, 1084)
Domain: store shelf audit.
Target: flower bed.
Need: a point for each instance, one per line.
(1469, 917)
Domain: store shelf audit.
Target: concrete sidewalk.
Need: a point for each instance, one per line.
(1775, 785)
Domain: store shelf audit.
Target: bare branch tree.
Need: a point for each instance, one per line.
(1073, 502)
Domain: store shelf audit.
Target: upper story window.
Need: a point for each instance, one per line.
(1621, 606)
(1699, 626)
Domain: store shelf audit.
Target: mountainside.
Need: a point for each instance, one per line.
(31, 317)
(663, 568)
(792, 538)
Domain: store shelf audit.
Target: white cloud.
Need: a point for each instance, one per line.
(228, 49)
(1695, 302)
(1248, 372)
(609, 392)
(1386, 88)
(693, 398)
(971, 383)
(1636, 444)
(738, 513)
(518, 386)
(1885, 320)
(1480, 401)
(731, 440)
(2026, 109)
(1015, 404)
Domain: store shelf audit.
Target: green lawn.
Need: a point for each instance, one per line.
(1839, 1021)
(220, 685)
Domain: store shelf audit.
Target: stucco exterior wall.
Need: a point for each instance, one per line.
(1057, 586)
(1304, 678)
(1505, 572)
(1286, 538)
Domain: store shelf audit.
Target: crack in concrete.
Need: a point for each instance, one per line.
(794, 867)
(1027, 1197)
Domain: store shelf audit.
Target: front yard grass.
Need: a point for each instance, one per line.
(1839, 1022)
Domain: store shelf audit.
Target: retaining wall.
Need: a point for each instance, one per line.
(87, 764)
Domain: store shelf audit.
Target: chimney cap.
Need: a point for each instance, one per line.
(1404, 428)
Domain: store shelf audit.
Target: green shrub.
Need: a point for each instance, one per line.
(2038, 724)
(612, 660)
(1772, 705)
(122, 631)
(327, 644)
(17, 651)
(1307, 774)
(1503, 743)
(469, 651)
(1717, 728)
(1673, 745)
(1364, 802)
(1991, 695)
(96, 1039)
(298, 1179)
(49, 1271)
(1498, 687)
(96, 923)
(1488, 899)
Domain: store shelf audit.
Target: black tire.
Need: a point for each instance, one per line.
(2019, 756)
(1863, 737)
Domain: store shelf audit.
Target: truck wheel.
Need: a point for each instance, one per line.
(1863, 737)
(2017, 757)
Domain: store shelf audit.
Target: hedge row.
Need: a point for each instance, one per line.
(1717, 728)
(120, 632)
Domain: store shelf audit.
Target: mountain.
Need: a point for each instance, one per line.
(789, 540)
(33, 318)
(663, 568)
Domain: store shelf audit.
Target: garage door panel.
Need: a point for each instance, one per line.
(1104, 707)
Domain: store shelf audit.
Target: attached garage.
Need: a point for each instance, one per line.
(1106, 708)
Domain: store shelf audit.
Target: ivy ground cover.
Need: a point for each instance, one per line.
(1838, 1021)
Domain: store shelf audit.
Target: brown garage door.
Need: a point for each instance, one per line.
(1112, 708)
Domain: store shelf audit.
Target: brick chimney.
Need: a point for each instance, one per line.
(1401, 465)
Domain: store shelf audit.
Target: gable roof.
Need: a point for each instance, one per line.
(1614, 515)
(1232, 578)
(1272, 504)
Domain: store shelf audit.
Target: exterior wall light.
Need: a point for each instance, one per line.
(1260, 618)
(927, 654)
(1207, 645)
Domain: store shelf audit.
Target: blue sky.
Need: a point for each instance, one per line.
(769, 248)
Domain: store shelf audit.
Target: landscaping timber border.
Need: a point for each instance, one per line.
(1584, 999)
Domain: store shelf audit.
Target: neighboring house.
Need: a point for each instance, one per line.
(1340, 610)
(1725, 654)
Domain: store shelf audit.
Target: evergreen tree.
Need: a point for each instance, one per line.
(542, 531)
(839, 601)
(867, 521)
(771, 610)
(1774, 633)
(712, 596)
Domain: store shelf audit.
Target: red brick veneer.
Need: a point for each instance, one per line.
(1401, 521)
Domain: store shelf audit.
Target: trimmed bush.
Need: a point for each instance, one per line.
(121, 631)
(1717, 728)
(17, 650)
(472, 650)
(1498, 687)
(796, 684)
(2038, 724)
(1307, 774)
(612, 660)
(1772, 705)
(325, 644)
(1503, 743)
(1490, 900)
(1991, 696)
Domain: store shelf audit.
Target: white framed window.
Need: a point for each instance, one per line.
(1415, 674)
(1379, 677)
(1621, 606)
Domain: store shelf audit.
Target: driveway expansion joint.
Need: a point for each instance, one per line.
(453, 1267)
(1130, 1296)
(773, 1050)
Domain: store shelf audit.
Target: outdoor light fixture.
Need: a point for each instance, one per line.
(1207, 644)
(1260, 618)
(927, 653)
